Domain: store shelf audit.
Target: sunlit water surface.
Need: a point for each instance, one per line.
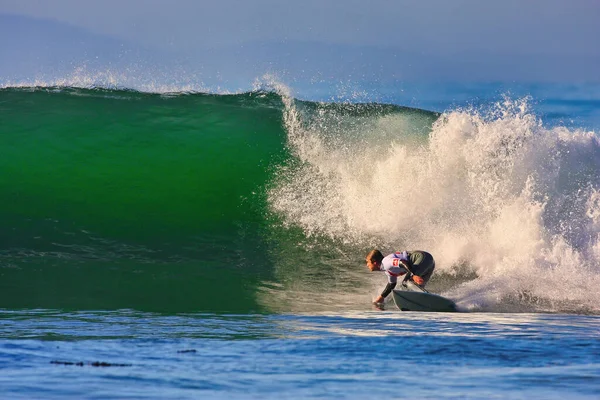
(51, 354)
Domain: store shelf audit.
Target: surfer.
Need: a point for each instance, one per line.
(418, 264)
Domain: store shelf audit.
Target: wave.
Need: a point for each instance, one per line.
(257, 201)
(166, 192)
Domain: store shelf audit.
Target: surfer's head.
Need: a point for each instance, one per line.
(374, 259)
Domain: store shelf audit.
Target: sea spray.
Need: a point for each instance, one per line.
(490, 189)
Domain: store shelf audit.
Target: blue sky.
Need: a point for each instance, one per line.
(426, 39)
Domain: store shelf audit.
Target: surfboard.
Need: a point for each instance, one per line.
(413, 298)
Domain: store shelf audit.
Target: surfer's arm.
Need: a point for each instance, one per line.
(417, 279)
(386, 292)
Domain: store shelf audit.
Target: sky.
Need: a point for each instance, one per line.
(402, 39)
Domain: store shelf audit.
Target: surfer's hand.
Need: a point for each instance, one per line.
(418, 280)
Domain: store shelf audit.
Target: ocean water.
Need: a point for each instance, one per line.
(171, 243)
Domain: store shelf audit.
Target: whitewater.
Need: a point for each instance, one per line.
(491, 191)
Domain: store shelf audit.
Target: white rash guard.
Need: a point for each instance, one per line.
(392, 266)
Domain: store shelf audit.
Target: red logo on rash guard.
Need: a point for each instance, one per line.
(395, 262)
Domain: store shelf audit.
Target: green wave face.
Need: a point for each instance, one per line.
(96, 185)
(133, 165)
(117, 199)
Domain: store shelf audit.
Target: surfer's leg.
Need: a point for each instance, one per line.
(428, 274)
(424, 267)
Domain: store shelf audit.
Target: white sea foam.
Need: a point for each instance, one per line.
(495, 190)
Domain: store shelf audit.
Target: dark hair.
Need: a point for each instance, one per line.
(375, 255)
